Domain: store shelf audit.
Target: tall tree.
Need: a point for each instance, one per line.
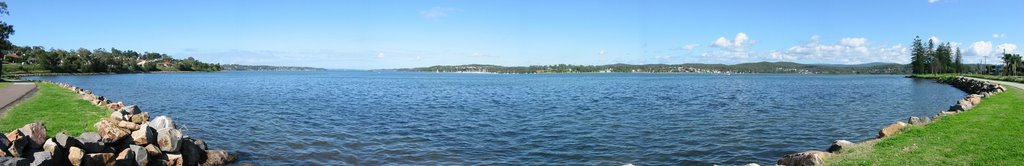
(929, 61)
(959, 62)
(5, 32)
(1007, 61)
(943, 62)
(918, 56)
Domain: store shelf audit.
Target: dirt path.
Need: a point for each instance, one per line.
(11, 95)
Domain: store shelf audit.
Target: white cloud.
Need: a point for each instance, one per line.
(846, 51)
(601, 52)
(731, 50)
(1007, 47)
(722, 42)
(852, 42)
(689, 47)
(934, 39)
(999, 35)
(933, 1)
(740, 43)
(380, 55)
(436, 12)
(981, 48)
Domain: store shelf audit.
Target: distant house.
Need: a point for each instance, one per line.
(13, 55)
(166, 63)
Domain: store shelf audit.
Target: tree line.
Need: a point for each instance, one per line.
(932, 59)
(37, 58)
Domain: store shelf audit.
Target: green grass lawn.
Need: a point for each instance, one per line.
(58, 108)
(990, 134)
(4, 84)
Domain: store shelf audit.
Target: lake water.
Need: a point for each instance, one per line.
(373, 118)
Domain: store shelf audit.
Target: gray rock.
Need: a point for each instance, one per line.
(41, 158)
(161, 122)
(914, 120)
(117, 115)
(65, 141)
(804, 158)
(839, 145)
(91, 142)
(168, 139)
(14, 161)
(200, 143)
(130, 110)
(139, 154)
(218, 157)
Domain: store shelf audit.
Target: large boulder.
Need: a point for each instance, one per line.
(839, 145)
(128, 125)
(191, 152)
(139, 154)
(139, 118)
(218, 158)
(36, 132)
(175, 159)
(974, 98)
(117, 115)
(130, 110)
(961, 105)
(919, 121)
(51, 146)
(19, 142)
(99, 159)
(59, 154)
(144, 135)
(168, 139)
(76, 156)
(804, 158)
(109, 131)
(91, 142)
(892, 129)
(65, 141)
(153, 150)
(161, 122)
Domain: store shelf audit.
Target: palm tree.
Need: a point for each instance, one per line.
(1016, 62)
(1007, 61)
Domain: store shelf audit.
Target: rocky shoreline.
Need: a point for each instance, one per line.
(976, 90)
(127, 137)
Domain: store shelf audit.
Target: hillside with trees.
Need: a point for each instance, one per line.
(267, 68)
(36, 59)
(760, 67)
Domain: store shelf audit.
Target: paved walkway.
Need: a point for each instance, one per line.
(11, 95)
(1014, 84)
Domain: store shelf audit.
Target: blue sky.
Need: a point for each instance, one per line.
(398, 34)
